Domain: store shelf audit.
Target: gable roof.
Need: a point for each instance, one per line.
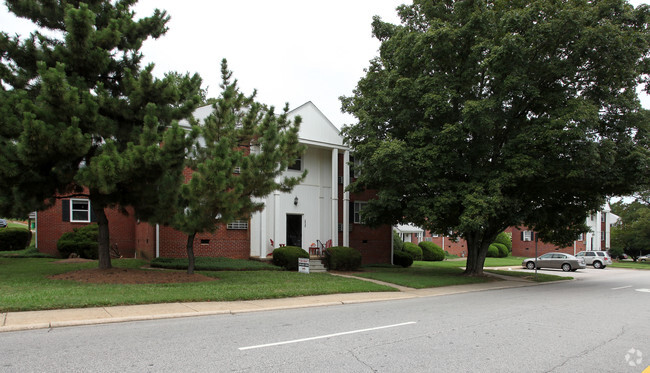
(315, 129)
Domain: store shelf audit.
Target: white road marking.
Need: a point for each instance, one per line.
(643, 290)
(622, 287)
(325, 336)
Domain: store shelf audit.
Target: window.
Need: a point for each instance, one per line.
(581, 237)
(527, 235)
(602, 216)
(238, 224)
(297, 165)
(602, 236)
(435, 235)
(237, 170)
(357, 212)
(355, 169)
(590, 253)
(80, 210)
(428, 239)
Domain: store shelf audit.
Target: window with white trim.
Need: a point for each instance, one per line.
(357, 212)
(527, 235)
(428, 239)
(297, 165)
(80, 210)
(237, 224)
(581, 237)
(602, 236)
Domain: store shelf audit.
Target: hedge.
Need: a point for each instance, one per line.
(431, 252)
(81, 241)
(493, 251)
(414, 250)
(342, 258)
(12, 239)
(287, 257)
(504, 239)
(402, 258)
(503, 250)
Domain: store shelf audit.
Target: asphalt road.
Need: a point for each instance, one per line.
(587, 325)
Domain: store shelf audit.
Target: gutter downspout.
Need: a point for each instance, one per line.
(157, 240)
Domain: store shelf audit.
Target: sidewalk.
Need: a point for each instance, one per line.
(15, 321)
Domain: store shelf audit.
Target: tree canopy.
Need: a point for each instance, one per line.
(80, 116)
(244, 150)
(480, 115)
(631, 234)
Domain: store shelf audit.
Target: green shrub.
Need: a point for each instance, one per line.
(493, 251)
(504, 239)
(287, 257)
(402, 258)
(431, 252)
(414, 250)
(503, 250)
(342, 258)
(398, 244)
(12, 239)
(81, 241)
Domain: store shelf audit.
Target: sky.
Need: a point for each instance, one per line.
(291, 51)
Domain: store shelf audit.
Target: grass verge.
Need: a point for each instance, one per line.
(214, 264)
(541, 277)
(634, 265)
(24, 285)
(422, 275)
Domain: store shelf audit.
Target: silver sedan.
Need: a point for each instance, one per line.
(561, 261)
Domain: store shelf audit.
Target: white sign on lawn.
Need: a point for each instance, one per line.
(303, 265)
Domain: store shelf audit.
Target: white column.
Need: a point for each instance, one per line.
(157, 240)
(346, 198)
(335, 197)
(277, 223)
(597, 233)
(264, 240)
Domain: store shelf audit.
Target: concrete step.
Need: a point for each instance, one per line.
(315, 265)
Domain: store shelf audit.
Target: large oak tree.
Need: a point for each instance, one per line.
(79, 116)
(478, 115)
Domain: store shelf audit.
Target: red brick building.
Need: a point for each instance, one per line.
(319, 210)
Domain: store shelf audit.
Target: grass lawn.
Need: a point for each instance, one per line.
(24, 285)
(214, 264)
(631, 264)
(541, 277)
(423, 275)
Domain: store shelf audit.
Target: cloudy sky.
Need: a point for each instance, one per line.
(289, 50)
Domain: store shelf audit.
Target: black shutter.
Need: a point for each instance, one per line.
(93, 218)
(522, 235)
(351, 166)
(65, 210)
(351, 212)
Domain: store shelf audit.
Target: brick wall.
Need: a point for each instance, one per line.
(50, 227)
(231, 243)
(527, 248)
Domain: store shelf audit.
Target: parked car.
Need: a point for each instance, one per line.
(598, 259)
(643, 258)
(561, 261)
(3, 223)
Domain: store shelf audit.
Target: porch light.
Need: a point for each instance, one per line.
(295, 201)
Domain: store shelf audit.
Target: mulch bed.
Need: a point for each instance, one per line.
(127, 275)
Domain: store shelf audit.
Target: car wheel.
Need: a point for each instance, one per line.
(530, 265)
(598, 265)
(566, 267)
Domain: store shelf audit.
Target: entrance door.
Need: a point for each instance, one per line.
(294, 230)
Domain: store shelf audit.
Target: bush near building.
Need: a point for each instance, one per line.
(81, 241)
(12, 239)
(402, 258)
(287, 257)
(414, 250)
(431, 252)
(342, 258)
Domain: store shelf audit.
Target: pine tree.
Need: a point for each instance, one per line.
(246, 149)
(80, 116)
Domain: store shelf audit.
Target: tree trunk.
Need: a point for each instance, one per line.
(190, 253)
(103, 240)
(476, 254)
